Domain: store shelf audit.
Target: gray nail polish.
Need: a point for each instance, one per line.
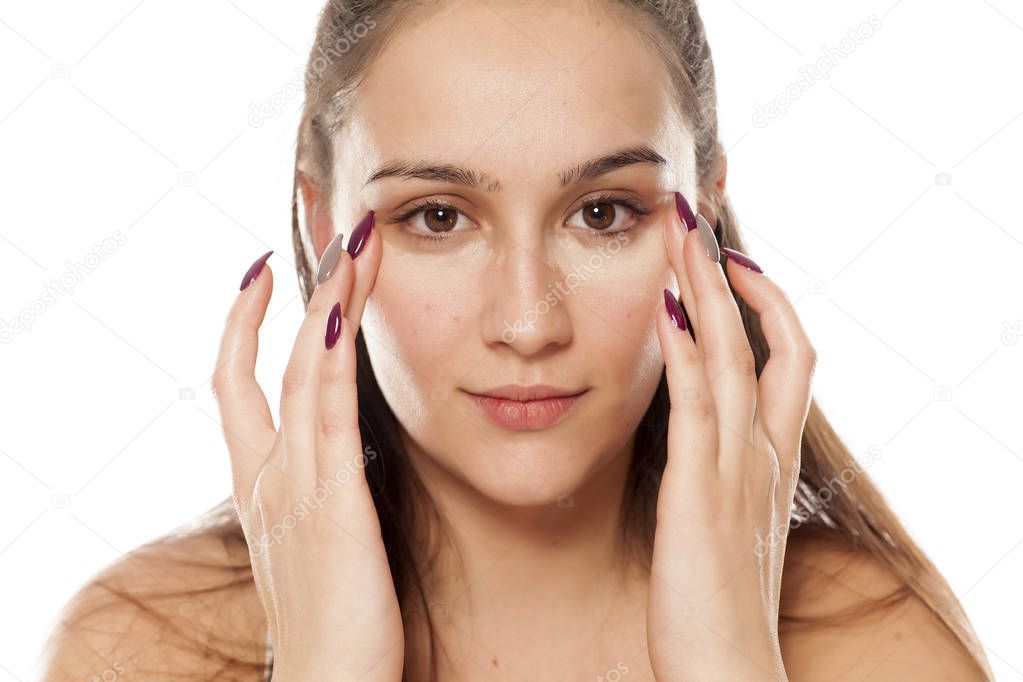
(328, 262)
(710, 242)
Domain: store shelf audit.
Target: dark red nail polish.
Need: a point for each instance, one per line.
(740, 258)
(685, 213)
(254, 270)
(360, 235)
(334, 323)
(678, 318)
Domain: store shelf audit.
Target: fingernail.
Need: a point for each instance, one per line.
(678, 318)
(334, 322)
(710, 242)
(254, 270)
(329, 259)
(685, 213)
(360, 235)
(740, 258)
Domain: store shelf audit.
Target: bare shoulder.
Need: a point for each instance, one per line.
(183, 605)
(904, 639)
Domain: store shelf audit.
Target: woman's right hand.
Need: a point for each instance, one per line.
(301, 493)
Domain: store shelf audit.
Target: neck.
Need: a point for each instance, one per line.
(505, 567)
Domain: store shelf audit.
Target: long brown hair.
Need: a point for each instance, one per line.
(349, 34)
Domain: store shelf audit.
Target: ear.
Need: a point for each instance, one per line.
(713, 194)
(719, 184)
(318, 218)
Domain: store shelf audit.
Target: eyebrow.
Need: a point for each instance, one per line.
(593, 168)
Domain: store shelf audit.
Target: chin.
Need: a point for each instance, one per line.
(511, 483)
(517, 468)
(540, 470)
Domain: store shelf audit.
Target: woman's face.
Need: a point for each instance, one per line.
(523, 281)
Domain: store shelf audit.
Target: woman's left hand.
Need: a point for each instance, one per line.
(732, 468)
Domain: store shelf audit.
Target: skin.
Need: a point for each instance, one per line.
(514, 245)
(433, 317)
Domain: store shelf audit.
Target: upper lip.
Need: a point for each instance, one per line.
(531, 392)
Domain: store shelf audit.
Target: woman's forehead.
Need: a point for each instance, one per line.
(494, 98)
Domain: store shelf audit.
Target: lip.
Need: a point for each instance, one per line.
(524, 408)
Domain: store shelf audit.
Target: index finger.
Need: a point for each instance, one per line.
(245, 415)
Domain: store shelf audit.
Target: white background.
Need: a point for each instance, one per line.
(886, 200)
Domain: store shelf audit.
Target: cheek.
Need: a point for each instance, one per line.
(414, 323)
(623, 338)
(615, 321)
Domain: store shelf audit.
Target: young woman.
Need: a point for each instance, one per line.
(543, 420)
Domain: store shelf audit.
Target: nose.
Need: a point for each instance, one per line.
(526, 302)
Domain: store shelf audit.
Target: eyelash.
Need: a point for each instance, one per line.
(609, 198)
(426, 205)
(606, 198)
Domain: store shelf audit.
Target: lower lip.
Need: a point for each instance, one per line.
(523, 415)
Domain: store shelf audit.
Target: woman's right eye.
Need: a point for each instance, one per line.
(432, 220)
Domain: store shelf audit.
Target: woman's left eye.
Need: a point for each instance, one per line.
(604, 217)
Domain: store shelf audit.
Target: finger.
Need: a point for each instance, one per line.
(338, 439)
(785, 382)
(692, 419)
(728, 357)
(244, 414)
(300, 392)
(674, 232)
(367, 264)
(300, 387)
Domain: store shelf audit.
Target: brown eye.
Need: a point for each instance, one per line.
(440, 219)
(599, 216)
(434, 220)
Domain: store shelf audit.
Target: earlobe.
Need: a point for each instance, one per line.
(720, 185)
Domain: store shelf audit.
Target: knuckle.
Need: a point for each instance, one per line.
(220, 382)
(746, 362)
(330, 428)
(712, 354)
(808, 357)
(320, 302)
(695, 402)
(702, 408)
(719, 287)
(293, 381)
(233, 318)
(691, 354)
(333, 373)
